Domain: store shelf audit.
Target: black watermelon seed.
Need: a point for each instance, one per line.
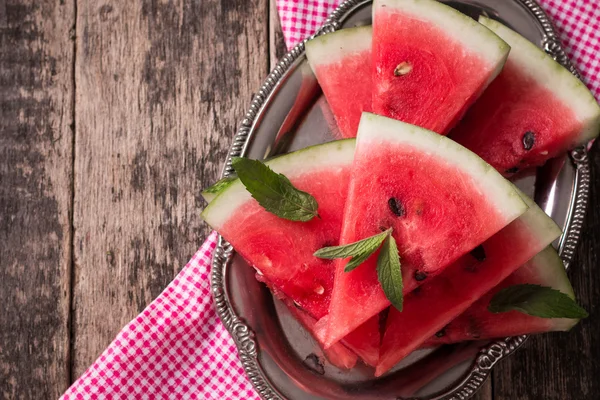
(420, 276)
(478, 253)
(416, 291)
(441, 333)
(528, 140)
(314, 363)
(396, 207)
(512, 170)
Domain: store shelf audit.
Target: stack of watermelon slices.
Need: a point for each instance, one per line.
(462, 229)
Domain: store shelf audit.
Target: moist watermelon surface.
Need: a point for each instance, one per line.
(535, 110)
(477, 323)
(281, 251)
(440, 199)
(341, 62)
(430, 62)
(436, 303)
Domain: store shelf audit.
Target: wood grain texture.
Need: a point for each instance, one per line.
(36, 97)
(277, 47)
(564, 366)
(161, 88)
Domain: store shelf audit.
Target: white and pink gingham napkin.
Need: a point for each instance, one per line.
(177, 348)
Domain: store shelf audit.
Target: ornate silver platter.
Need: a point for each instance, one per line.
(280, 358)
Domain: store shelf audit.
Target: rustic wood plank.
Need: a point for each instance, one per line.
(36, 139)
(277, 48)
(161, 88)
(485, 393)
(564, 365)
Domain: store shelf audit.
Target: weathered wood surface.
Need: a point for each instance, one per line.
(36, 138)
(564, 366)
(161, 89)
(113, 116)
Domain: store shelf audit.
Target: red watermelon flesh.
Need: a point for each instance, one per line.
(430, 62)
(535, 110)
(342, 63)
(338, 355)
(440, 199)
(478, 323)
(281, 250)
(436, 303)
(364, 341)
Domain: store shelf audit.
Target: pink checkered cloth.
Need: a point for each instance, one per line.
(177, 348)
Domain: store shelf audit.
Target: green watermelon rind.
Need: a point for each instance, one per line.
(474, 36)
(211, 192)
(496, 189)
(551, 271)
(545, 71)
(314, 158)
(543, 227)
(335, 46)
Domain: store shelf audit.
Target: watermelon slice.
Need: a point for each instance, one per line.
(284, 263)
(439, 301)
(430, 62)
(535, 110)
(342, 63)
(477, 323)
(270, 244)
(440, 199)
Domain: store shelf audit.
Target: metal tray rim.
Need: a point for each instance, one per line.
(488, 355)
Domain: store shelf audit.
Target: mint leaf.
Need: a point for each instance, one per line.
(359, 251)
(536, 300)
(389, 273)
(274, 192)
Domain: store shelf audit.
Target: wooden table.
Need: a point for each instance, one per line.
(113, 116)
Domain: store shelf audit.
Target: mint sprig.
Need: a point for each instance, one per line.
(536, 300)
(389, 273)
(274, 192)
(388, 262)
(359, 251)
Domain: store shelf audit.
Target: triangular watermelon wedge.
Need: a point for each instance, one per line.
(477, 323)
(436, 303)
(341, 62)
(270, 244)
(535, 110)
(430, 62)
(440, 199)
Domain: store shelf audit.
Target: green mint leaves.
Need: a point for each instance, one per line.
(536, 300)
(274, 192)
(359, 251)
(388, 262)
(389, 274)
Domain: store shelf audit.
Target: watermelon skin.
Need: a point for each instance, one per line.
(438, 302)
(450, 200)
(452, 60)
(341, 62)
(280, 250)
(532, 94)
(477, 323)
